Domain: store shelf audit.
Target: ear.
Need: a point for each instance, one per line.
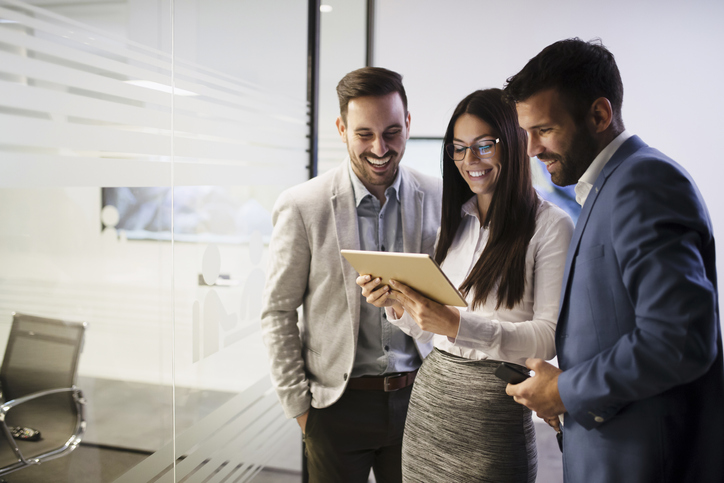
(342, 129)
(407, 125)
(600, 115)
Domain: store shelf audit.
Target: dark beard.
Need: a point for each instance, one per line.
(574, 162)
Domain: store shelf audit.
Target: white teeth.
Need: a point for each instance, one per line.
(548, 162)
(379, 162)
(477, 174)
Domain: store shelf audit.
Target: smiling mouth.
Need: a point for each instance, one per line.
(479, 174)
(379, 162)
(549, 160)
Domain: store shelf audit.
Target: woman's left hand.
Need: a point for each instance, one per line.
(428, 314)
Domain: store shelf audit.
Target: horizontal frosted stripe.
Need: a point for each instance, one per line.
(241, 454)
(22, 131)
(258, 450)
(260, 101)
(64, 27)
(253, 103)
(238, 150)
(202, 75)
(63, 103)
(187, 78)
(247, 452)
(270, 121)
(269, 448)
(66, 76)
(71, 30)
(159, 461)
(29, 132)
(35, 171)
(109, 304)
(93, 61)
(261, 131)
(46, 101)
(234, 434)
(292, 171)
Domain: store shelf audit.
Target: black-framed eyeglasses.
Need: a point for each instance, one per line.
(481, 150)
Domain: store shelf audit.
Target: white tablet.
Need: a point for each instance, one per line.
(416, 270)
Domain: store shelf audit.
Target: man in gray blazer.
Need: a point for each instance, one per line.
(343, 371)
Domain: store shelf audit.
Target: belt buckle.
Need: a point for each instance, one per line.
(387, 382)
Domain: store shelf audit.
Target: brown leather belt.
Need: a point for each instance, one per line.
(389, 383)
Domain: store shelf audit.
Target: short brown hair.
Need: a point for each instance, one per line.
(368, 81)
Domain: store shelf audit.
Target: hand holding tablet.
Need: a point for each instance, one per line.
(418, 271)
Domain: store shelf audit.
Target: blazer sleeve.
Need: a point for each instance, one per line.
(660, 233)
(288, 273)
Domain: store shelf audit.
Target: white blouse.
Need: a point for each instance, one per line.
(512, 335)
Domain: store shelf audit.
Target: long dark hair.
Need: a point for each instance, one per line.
(512, 212)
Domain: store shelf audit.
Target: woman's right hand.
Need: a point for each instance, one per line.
(377, 295)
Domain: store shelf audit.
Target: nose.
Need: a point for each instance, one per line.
(534, 146)
(379, 147)
(470, 156)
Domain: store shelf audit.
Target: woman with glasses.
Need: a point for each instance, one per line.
(505, 249)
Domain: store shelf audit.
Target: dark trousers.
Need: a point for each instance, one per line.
(361, 431)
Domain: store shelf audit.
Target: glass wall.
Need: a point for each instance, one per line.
(142, 146)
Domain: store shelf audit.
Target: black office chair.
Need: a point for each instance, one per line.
(37, 390)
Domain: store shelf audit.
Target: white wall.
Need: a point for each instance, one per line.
(668, 52)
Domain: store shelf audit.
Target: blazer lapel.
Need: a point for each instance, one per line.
(412, 199)
(345, 222)
(633, 144)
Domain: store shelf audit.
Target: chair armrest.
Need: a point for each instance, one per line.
(7, 406)
(4, 408)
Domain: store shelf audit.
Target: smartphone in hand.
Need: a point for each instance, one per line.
(511, 373)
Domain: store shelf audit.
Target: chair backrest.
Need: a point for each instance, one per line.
(41, 353)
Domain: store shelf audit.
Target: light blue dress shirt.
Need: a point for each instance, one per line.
(382, 348)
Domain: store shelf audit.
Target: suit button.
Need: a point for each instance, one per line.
(345, 377)
(598, 419)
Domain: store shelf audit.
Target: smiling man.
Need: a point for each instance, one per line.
(641, 378)
(343, 371)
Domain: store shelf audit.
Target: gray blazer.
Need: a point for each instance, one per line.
(311, 358)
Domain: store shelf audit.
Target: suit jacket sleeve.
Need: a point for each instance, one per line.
(659, 232)
(288, 272)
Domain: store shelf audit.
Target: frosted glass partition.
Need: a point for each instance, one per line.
(202, 102)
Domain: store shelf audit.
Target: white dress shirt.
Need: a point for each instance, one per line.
(589, 177)
(512, 335)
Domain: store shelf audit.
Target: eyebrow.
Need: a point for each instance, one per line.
(478, 138)
(392, 126)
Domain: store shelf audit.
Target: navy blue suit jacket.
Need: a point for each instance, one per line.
(638, 336)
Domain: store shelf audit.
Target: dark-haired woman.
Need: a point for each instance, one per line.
(505, 249)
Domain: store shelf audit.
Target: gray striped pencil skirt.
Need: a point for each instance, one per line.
(462, 427)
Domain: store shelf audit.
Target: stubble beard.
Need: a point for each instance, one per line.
(575, 161)
(366, 173)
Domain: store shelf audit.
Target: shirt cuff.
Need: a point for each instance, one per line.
(474, 332)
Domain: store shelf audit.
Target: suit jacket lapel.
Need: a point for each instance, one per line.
(633, 144)
(345, 221)
(411, 198)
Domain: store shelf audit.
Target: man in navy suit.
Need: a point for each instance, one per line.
(641, 378)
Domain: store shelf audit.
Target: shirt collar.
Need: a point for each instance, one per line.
(361, 192)
(470, 208)
(589, 177)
